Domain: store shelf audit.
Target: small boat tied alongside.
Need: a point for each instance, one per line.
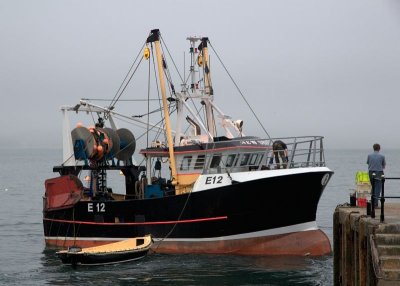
(199, 183)
(117, 252)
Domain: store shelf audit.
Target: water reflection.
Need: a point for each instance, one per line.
(161, 269)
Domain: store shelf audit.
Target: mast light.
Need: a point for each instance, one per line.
(146, 53)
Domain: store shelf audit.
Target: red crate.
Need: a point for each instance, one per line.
(362, 202)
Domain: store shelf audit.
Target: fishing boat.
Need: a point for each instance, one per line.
(117, 252)
(200, 185)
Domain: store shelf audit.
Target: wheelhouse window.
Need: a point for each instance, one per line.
(216, 159)
(230, 160)
(260, 158)
(254, 159)
(185, 165)
(244, 159)
(199, 164)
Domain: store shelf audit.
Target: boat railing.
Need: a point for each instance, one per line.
(382, 198)
(258, 154)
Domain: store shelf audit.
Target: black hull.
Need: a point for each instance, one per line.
(237, 210)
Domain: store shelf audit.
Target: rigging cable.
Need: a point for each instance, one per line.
(184, 83)
(198, 114)
(148, 113)
(167, 72)
(150, 129)
(130, 69)
(171, 58)
(103, 99)
(205, 119)
(176, 223)
(121, 90)
(240, 92)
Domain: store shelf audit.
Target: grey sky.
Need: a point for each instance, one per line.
(328, 68)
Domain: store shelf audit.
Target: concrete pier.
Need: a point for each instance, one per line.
(366, 251)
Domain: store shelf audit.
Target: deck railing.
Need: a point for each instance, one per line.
(306, 151)
(382, 198)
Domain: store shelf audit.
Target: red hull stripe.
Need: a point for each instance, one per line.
(138, 223)
(144, 151)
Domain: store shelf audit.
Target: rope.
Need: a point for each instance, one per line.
(126, 85)
(177, 221)
(102, 99)
(168, 76)
(116, 97)
(171, 58)
(240, 92)
(145, 114)
(73, 218)
(167, 73)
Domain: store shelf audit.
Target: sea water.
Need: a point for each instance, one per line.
(24, 259)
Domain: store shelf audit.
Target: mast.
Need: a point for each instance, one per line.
(207, 86)
(155, 37)
(207, 76)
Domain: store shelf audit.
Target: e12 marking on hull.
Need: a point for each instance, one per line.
(214, 180)
(96, 207)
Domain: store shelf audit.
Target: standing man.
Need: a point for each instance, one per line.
(280, 151)
(376, 164)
